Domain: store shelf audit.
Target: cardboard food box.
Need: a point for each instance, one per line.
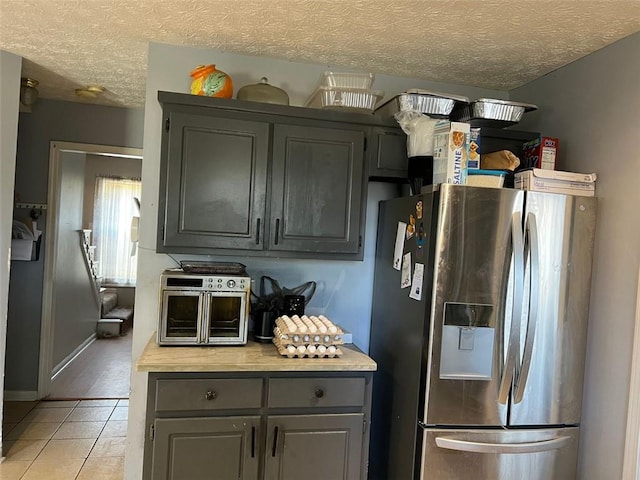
(450, 152)
(474, 148)
(541, 153)
(554, 181)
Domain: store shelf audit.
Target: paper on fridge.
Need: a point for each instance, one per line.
(416, 283)
(406, 271)
(399, 246)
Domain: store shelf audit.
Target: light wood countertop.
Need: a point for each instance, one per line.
(262, 357)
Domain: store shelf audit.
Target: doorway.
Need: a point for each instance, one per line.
(631, 465)
(85, 367)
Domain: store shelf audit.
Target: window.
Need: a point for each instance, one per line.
(115, 206)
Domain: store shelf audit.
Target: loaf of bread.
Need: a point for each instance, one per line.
(501, 160)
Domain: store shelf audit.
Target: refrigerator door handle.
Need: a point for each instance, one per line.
(480, 447)
(532, 321)
(513, 345)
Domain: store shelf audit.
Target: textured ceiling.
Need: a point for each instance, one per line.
(67, 44)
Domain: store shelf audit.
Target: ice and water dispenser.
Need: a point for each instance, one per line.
(468, 336)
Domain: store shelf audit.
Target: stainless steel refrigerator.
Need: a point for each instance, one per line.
(479, 325)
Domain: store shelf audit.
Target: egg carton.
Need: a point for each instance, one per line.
(308, 351)
(317, 338)
(322, 347)
(306, 330)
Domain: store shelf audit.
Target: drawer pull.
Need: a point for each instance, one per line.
(319, 393)
(210, 395)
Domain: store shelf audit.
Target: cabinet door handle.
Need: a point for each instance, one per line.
(277, 230)
(319, 393)
(258, 232)
(253, 442)
(210, 395)
(275, 442)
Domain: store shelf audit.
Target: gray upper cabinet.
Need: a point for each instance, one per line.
(260, 179)
(388, 154)
(316, 195)
(214, 184)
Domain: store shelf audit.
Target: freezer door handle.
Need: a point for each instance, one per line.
(532, 320)
(480, 447)
(513, 344)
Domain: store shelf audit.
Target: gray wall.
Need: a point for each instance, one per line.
(75, 312)
(592, 105)
(345, 288)
(10, 66)
(61, 121)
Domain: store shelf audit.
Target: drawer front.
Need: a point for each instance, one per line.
(212, 394)
(316, 392)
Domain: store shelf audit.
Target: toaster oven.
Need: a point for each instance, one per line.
(203, 309)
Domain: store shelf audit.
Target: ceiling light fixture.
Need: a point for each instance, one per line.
(91, 91)
(28, 91)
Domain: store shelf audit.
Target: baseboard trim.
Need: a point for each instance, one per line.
(20, 395)
(69, 358)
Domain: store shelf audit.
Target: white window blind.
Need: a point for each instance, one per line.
(114, 207)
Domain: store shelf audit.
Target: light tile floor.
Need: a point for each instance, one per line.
(64, 440)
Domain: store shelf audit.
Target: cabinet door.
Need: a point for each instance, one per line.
(223, 448)
(314, 447)
(215, 174)
(316, 189)
(388, 154)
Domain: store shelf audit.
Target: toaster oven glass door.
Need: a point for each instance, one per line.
(181, 317)
(226, 314)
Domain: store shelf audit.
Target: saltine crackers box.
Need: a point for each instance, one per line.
(450, 152)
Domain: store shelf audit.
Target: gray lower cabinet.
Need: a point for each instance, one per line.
(258, 426)
(314, 447)
(205, 448)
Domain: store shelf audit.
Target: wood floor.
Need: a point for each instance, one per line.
(102, 370)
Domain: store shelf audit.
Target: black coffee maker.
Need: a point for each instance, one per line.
(279, 301)
(263, 324)
(264, 321)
